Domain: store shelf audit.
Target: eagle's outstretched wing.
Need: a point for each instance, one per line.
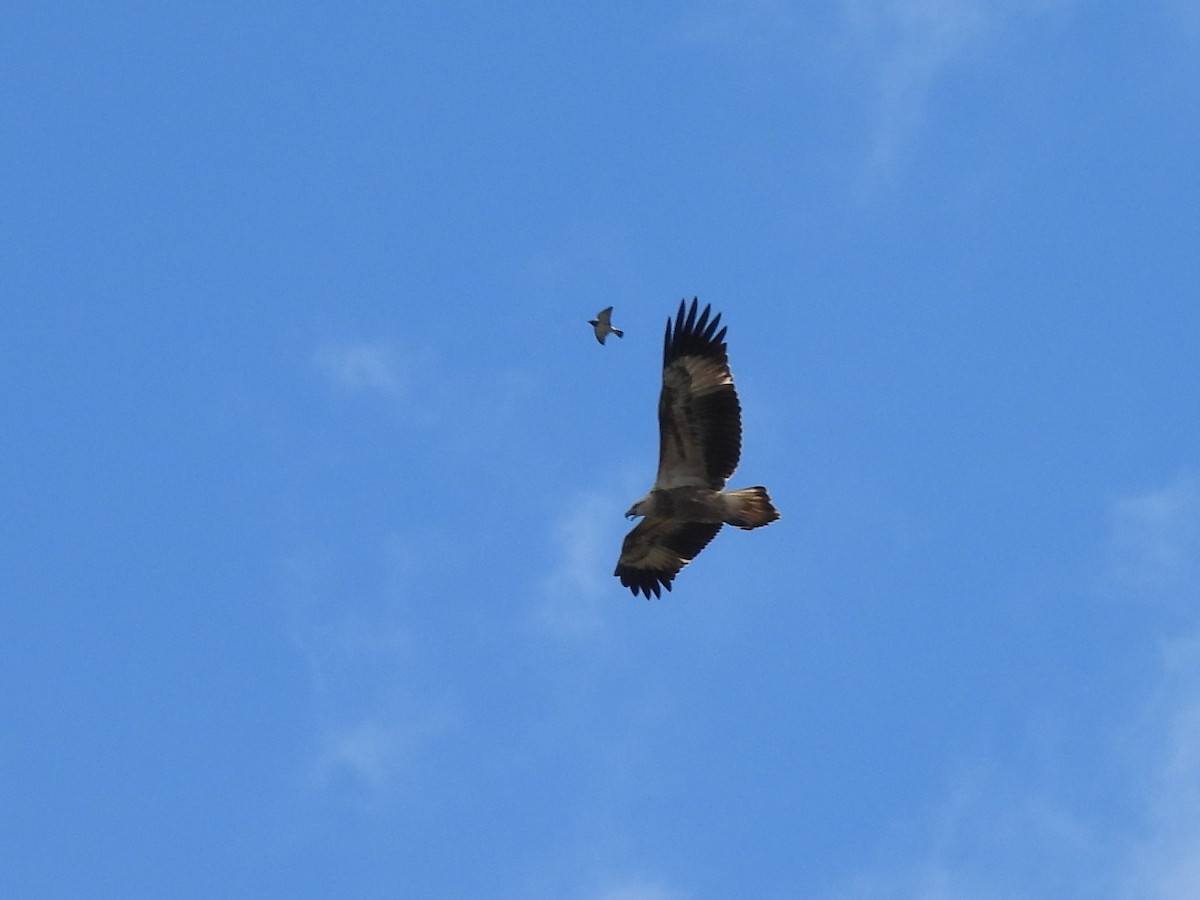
(655, 551)
(699, 417)
(700, 441)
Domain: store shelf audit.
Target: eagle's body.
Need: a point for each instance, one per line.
(602, 325)
(694, 504)
(700, 441)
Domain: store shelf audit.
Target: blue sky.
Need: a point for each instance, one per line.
(314, 474)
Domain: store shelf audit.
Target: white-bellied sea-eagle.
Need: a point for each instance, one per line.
(700, 441)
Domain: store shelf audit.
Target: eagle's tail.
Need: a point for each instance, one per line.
(749, 508)
(618, 332)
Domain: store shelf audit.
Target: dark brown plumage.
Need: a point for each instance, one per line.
(700, 442)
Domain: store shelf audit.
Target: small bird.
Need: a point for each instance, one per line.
(603, 325)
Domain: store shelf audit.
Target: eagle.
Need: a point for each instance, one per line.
(602, 325)
(700, 441)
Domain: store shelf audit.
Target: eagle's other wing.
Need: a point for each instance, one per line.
(699, 418)
(655, 551)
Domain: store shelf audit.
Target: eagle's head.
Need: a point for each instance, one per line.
(641, 508)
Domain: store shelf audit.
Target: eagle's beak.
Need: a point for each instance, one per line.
(632, 514)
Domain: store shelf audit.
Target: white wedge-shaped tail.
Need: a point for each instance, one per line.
(749, 508)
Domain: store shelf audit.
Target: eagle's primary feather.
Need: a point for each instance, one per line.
(700, 441)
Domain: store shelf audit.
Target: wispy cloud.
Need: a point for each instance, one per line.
(907, 45)
(365, 752)
(998, 832)
(1156, 545)
(1165, 859)
(1185, 15)
(887, 57)
(374, 711)
(748, 24)
(637, 890)
(573, 594)
(363, 366)
(990, 837)
(372, 756)
(602, 863)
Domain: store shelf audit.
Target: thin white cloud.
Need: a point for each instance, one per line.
(363, 366)
(999, 835)
(373, 724)
(747, 24)
(373, 756)
(637, 890)
(600, 863)
(1165, 860)
(890, 51)
(366, 752)
(988, 839)
(888, 56)
(908, 45)
(1156, 545)
(574, 594)
(1185, 15)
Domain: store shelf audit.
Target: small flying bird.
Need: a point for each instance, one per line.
(603, 325)
(700, 442)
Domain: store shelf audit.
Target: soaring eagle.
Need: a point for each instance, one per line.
(602, 325)
(700, 440)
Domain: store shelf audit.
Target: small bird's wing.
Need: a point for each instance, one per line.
(602, 324)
